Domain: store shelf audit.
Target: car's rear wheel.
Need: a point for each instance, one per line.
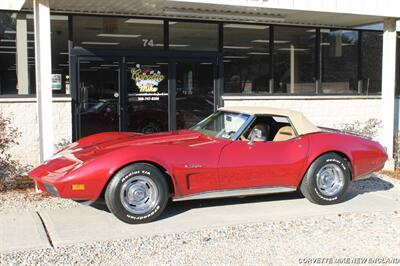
(326, 180)
(138, 193)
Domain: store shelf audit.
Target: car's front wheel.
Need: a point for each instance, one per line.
(138, 193)
(326, 180)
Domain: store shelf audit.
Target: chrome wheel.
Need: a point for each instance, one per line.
(139, 195)
(330, 179)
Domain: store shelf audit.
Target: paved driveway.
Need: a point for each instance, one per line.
(46, 228)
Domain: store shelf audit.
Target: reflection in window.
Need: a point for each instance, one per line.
(15, 38)
(371, 61)
(294, 51)
(339, 61)
(17, 73)
(246, 58)
(193, 36)
(59, 54)
(194, 92)
(118, 33)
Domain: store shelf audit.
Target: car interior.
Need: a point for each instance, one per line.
(270, 128)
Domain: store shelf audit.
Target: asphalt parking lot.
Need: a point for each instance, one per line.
(85, 224)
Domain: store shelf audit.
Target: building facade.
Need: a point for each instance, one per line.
(70, 69)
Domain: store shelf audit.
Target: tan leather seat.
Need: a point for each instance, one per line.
(284, 133)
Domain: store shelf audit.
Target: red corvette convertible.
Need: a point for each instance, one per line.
(237, 151)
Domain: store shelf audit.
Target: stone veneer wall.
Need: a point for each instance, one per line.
(23, 114)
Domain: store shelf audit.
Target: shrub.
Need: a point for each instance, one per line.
(368, 128)
(11, 171)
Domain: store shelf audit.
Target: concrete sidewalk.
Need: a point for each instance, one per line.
(88, 224)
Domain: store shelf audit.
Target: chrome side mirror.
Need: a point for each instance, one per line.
(255, 133)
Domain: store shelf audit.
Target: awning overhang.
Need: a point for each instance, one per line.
(257, 11)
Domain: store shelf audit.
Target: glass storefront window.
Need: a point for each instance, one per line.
(16, 75)
(193, 36)
(194, 92)
(294, 51)
(339, 60)
(371, 61)
(59, 54)
(17, 54)
(246, 58)
(118, 33)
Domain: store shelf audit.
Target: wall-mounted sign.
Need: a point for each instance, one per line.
(146, 79)
(56, 82)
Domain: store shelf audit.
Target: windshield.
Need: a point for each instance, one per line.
(221, 124)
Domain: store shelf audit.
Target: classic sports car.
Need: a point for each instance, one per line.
(237, 151)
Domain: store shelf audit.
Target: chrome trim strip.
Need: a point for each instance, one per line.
(236, 193)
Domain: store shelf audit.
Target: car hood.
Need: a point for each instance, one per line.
(88, 148)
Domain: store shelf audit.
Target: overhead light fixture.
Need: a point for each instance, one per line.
(101, 43)
(118, 35)
(235, 56)
(321, 30)
(206, 63)
(108, 65)
(237, 47)
(267, 41)
(246, 26)
(325, 43)
(14, 32)
(224, 15)
(178, 45)
(162, 63)
(8, 47)
(258, 53)
(7, 52)
(295, 49)
(227, 61)
(64, 53)
(7, 40)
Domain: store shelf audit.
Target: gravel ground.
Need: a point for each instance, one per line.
(28, 199)
(274, 243)
(289, 242)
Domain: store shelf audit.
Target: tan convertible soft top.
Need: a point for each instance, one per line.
(299, 121)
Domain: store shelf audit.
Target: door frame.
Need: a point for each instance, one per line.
(78, 54)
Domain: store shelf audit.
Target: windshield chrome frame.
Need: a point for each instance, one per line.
(238, 133)
(244, 127)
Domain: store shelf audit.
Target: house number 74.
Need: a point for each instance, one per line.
(148, 42)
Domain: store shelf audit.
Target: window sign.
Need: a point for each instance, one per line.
(56, 82)
(146, 79)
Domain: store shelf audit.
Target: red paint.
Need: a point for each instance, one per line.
(199, 163)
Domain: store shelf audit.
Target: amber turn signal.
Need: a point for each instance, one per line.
(78, 187)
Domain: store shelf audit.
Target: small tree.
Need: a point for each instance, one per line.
(10, 169)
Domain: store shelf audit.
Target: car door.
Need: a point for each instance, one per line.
(261, 164)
